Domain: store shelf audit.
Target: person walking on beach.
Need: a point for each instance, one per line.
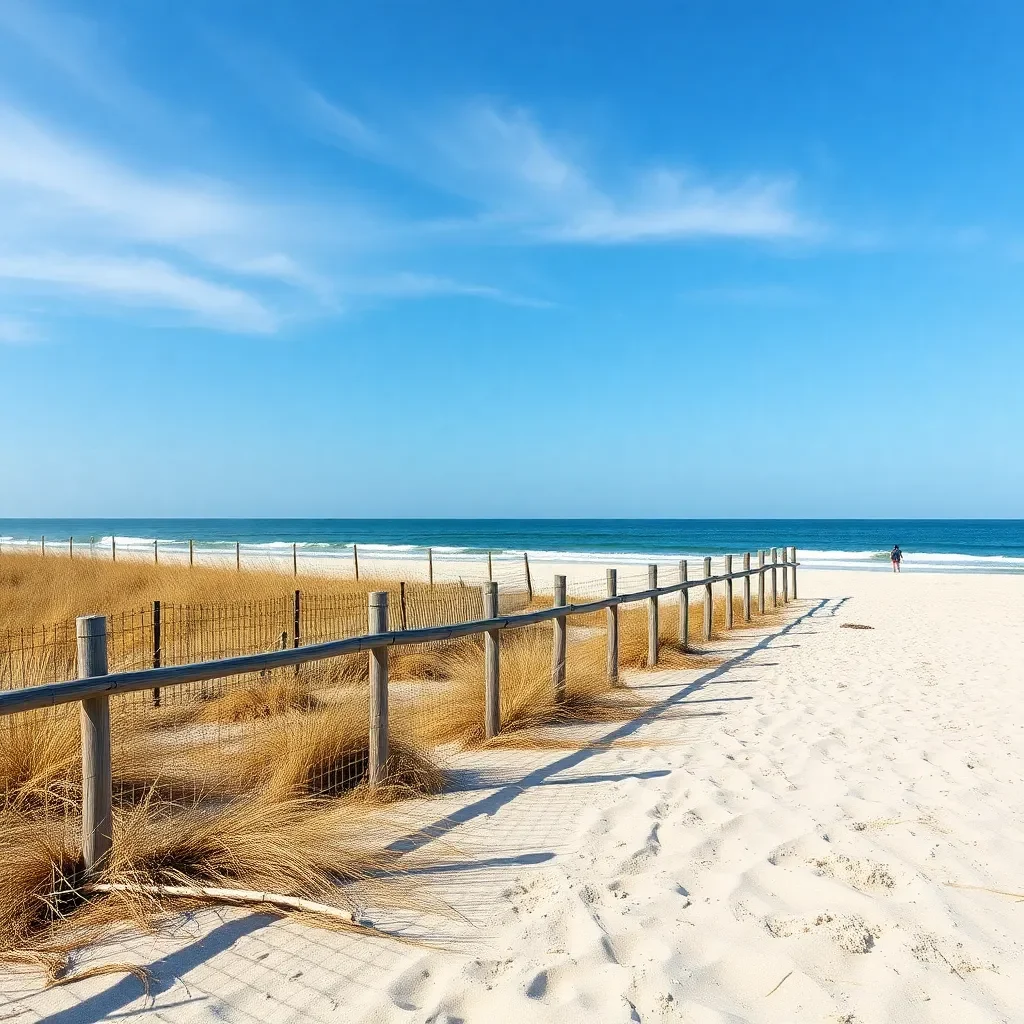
(897, 556)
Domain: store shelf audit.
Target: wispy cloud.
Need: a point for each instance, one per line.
(337, 123)
(78, 49)
(412, 286)
(523, 181)
(82, 220)
(144, 282)
(123, 234)
(513, 165)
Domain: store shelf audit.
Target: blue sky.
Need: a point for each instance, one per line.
(523, 258)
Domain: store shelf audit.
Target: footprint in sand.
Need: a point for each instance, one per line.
(412, 988)
(636, 861)
(930, 949)
(850, 932)
(860, 872)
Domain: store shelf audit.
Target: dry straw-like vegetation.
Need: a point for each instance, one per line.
(257, 785)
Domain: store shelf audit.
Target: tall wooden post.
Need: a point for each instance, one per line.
(558, 643)
(652, 617)
(113, 549)
(238, 556)
(492, 692)
(709, 601)
(157, 648)
(490, 568)
(97, 781)
(529, 582)
(156, 552)
(296, 619)
(42, 546)
(612, 616)
(728, 593)
(760, 582)
(792, 558)
(785, 578)
(191, 552)
(430, 566)
(684, 608)
(378, 622)
(71, 547)
(295, 559)
(746, 587)
(355, 559)
(775, 592)
(401, 595)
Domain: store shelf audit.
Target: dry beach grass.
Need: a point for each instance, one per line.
(255, 783)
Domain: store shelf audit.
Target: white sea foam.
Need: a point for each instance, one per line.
(930, 561)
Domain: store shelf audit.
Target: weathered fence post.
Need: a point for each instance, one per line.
(490, 569)
(709, 601)
(71, 548)
(42, 546)
(529, 582)
(684, 609)
(492, 692)
(785, 577)
(157, 648)
(295, 559)
(558, 643)
(746, 587)
(760, 582)
(355, 559)
(238, 557)
(775, 592)
(296, 620)
(156, 552)
(378, 622)
(652, 617)
(97, 783)
(728, 593)
(430, 566)
(792, 558)
(612, 616)
(401, 594)
(113, 549)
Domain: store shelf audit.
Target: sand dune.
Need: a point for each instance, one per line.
(813, 831)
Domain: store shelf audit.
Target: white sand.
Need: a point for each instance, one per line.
(786, 857)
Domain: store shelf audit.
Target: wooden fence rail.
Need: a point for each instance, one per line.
(95, 684)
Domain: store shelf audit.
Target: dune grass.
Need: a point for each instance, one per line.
(259, 783)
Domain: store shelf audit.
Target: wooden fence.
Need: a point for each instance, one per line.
(95, 684)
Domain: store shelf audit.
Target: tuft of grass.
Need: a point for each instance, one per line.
(326, 754)
(455, 714)
(249, 702)
(40, 756)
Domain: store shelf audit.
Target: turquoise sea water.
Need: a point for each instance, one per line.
(956, 544)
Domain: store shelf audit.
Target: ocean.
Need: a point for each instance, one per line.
(964, 545)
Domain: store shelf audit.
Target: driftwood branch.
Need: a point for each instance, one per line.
(243, 897)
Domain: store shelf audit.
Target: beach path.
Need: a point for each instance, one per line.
(826, 827)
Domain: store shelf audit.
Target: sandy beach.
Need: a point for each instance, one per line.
(825, 828)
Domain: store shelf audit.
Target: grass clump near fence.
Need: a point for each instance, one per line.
(166, 862)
